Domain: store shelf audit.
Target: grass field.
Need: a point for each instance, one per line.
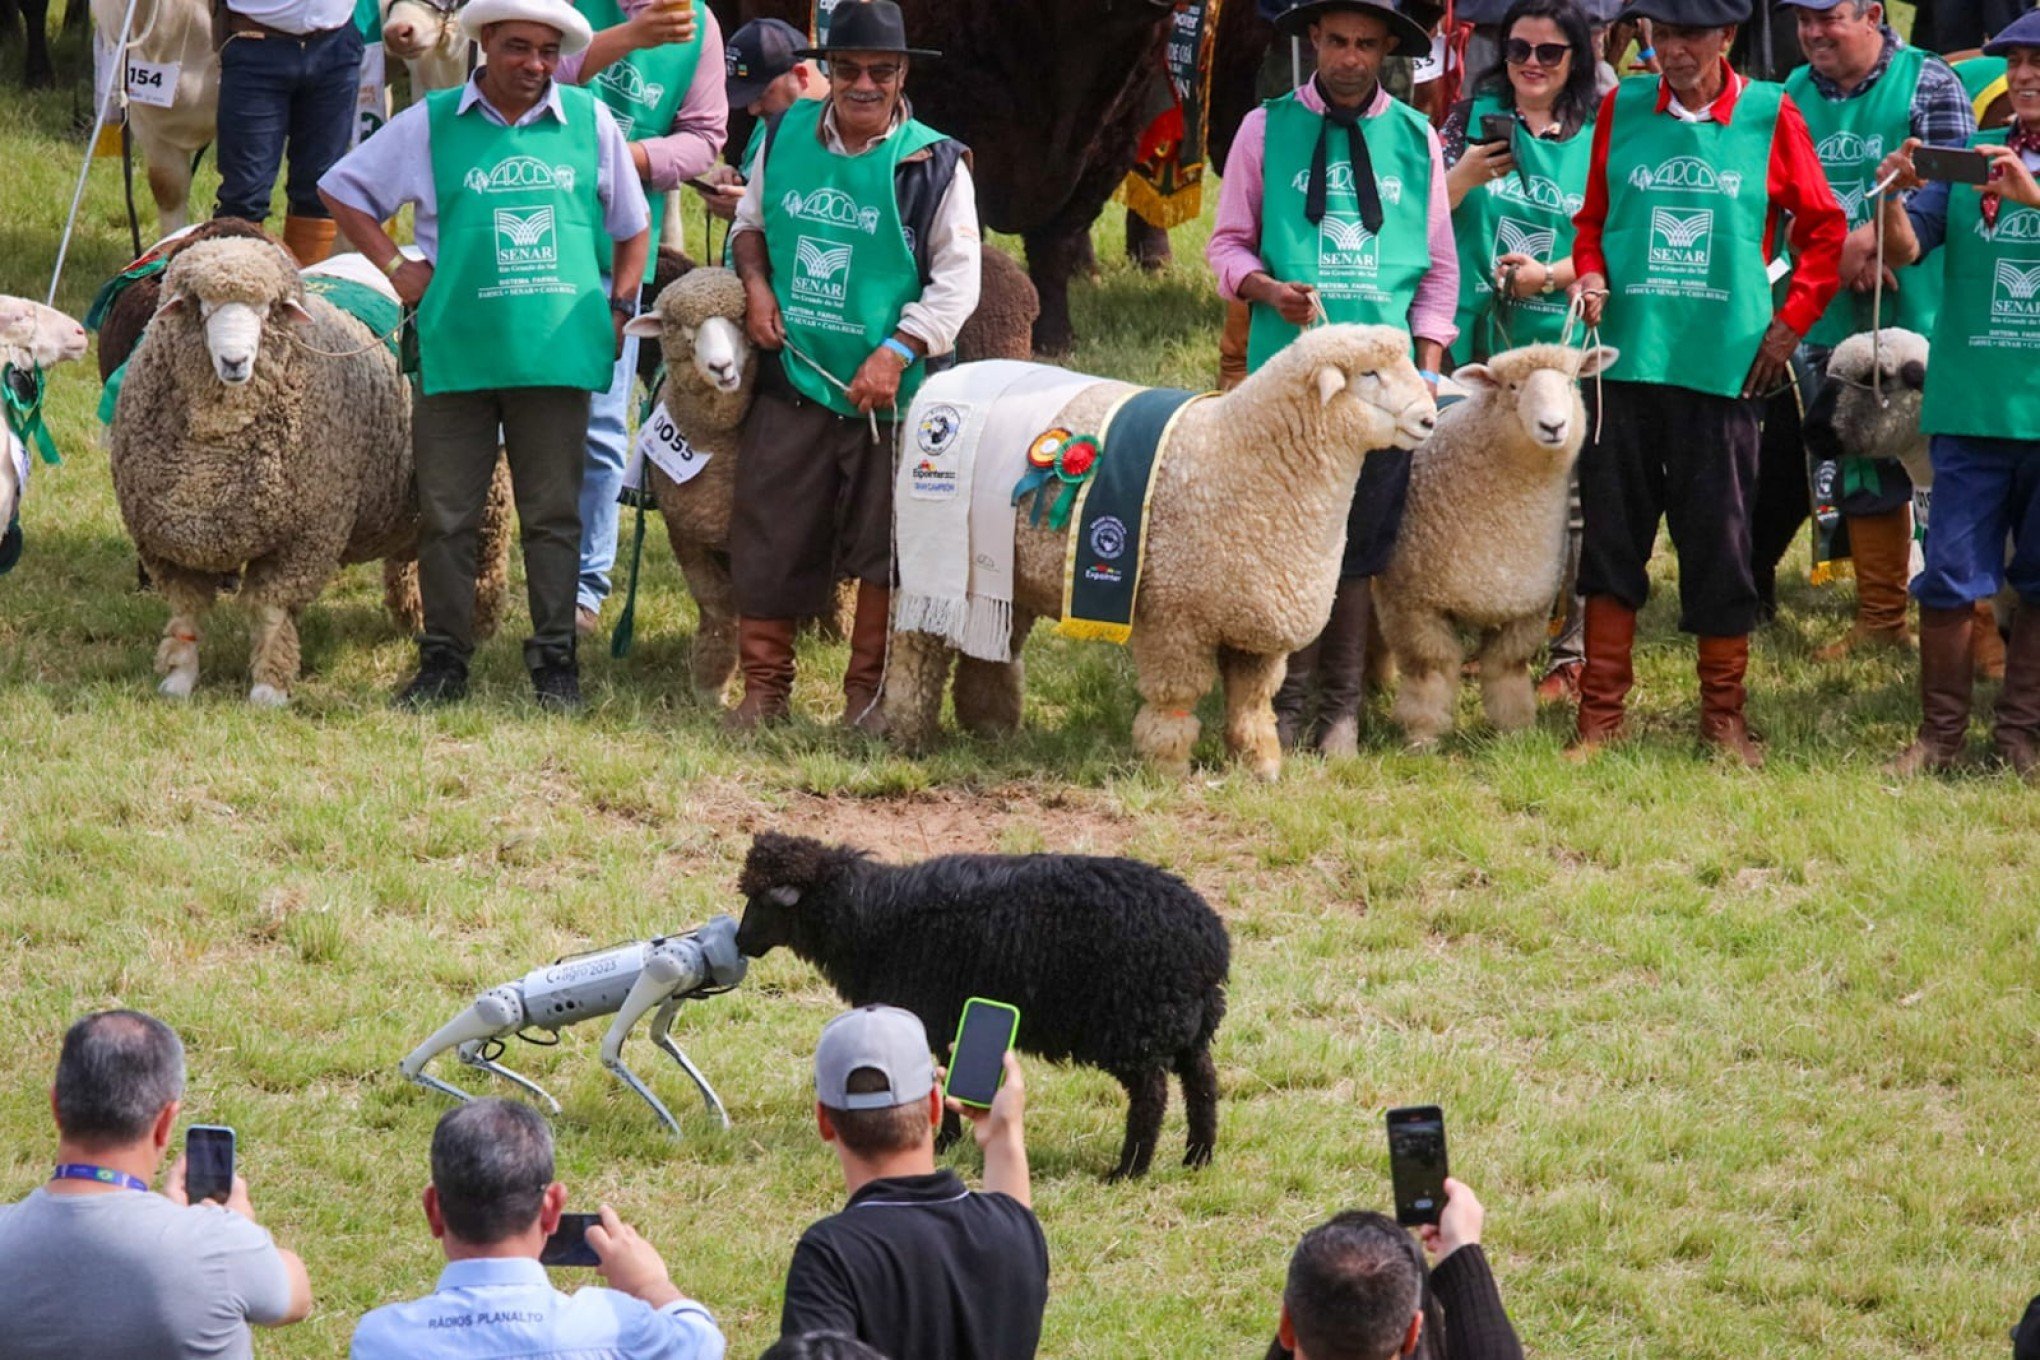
(1743, 1065)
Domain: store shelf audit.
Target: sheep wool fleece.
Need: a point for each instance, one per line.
(521, 248)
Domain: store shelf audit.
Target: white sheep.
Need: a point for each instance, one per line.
(427, 37)
(265, 431)
(1482, 543)
(1246, 526)
(33, 339)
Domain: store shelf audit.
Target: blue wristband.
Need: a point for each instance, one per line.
(1646, 54)
(906, 352)
(1428, 376)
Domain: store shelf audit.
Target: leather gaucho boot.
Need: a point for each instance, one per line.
(1292, 697)
(1947, 682)
(2016, 733)
(1342, 668)
(765, 659)
(1986, 644)
(309, 238)
(864, 678)
(1723, 663)
(1608, 638)
(1232, 346)
(1881, 547)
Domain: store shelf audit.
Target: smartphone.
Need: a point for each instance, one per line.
(1497, 127)
(1950, 164)
(977, 1061)
(1416, 1163)
(704, 188)
(568, 1245)
(208, 1163)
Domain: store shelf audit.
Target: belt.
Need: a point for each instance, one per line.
(241, 26)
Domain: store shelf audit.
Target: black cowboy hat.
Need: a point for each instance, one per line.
(1690, 13)
(866, 26)
(1405, 19)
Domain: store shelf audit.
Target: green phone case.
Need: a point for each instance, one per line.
(957, 1043)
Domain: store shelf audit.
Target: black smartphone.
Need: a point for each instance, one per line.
(1416, 1163)
(568, 1245)
(1950, 164)
(1497, 127)
(977, 1061)
(208, 1163)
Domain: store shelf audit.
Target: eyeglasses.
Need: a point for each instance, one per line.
(850, 72)
(1518, 52)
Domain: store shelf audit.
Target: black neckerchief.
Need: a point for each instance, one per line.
(1356, 153)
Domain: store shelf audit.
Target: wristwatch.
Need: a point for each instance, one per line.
(1550, 280)
(625, 307)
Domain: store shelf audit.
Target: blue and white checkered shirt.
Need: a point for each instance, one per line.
(495, 1308)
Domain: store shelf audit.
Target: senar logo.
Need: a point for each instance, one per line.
(2013, 291)
(816, 271)
(1681, 241)
(525, 238)
(1346, 247)
(1523, 238)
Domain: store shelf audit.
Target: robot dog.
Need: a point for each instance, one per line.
(625, 980)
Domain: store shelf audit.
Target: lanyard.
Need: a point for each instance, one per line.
(82, 1171)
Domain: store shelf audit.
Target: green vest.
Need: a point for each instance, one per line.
(643, 90)
(841, 267)
(743, 167)
(1367, 280)
(1851, 136)
(1984, 378)
(1684, 239)
(1528, 211)
(516, 297)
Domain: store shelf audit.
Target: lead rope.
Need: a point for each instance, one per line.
(1575, 315)
(1877, 294)
(797, 352)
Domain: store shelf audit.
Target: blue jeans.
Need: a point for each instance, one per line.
(1984, 489)
(273, 91)
(602, 476)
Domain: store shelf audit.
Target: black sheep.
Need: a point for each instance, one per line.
(1112, 962)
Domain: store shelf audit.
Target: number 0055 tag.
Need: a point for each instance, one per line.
(660, 440)
(153, 83)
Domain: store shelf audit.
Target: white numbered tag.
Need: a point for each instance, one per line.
(152, 82)
(660, 440)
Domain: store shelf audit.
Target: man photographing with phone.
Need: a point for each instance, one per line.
(492, 1204)
(97, 1265)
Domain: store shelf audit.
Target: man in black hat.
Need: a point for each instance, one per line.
(859, 266)
(1690, 175)
(763, 77)
(1334, 200)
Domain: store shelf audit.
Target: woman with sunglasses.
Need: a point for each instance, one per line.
(1513, 199)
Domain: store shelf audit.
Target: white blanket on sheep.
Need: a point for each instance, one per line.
(966, 448)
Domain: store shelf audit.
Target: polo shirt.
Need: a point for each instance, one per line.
(921, 1268)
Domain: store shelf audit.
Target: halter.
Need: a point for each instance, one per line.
(23, 389)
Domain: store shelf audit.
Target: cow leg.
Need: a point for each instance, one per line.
(1052, 257)
(1147, 1098)
(1147, 245)
(1199, 1076)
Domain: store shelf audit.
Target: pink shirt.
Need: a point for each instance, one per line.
(702, 122)
(1235, 248)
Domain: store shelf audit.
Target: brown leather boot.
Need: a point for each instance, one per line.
(1881, 547)
(1605, 678)
(1723, 662)
(1232, 346)
(2016, 733)
(1986, 644)
(309, 238)
(1947, 679)
(765, 658)
(1342, 668)
(1292, 697)
(864, 677)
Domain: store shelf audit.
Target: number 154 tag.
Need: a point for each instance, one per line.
(152, 83)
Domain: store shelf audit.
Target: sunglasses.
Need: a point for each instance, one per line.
(1518, 52)
(849, 72)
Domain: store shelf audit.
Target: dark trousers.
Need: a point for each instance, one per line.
(813, 501)
(1690, 459)
(454, 436)
(1984, 489)
(1375, 517)
(277, 91)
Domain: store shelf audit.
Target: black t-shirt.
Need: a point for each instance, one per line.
(922, 1269)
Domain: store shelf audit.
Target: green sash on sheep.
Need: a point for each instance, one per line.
(516, 298)
(1363, 279)
(1980, 380)
(1851, 136)
(841, 266)
(1108, 542)
(1687, 204)
(644, 90)
(1528, 211)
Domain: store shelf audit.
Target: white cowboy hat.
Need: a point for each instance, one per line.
(575, 34)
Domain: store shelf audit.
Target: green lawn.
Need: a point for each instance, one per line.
(1740, 1063)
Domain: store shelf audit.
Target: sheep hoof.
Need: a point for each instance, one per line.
(178, 685)
(268, 696)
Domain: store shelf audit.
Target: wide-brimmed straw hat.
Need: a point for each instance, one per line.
(557, 14)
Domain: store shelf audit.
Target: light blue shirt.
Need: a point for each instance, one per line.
(394, 167)
(495, 1308)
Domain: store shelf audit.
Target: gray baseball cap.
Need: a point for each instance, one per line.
(884, 1038)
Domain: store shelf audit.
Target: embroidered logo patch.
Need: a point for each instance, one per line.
(939, 428)
(525, 239)
(1108, 537)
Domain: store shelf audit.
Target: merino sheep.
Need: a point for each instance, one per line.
(134, 301)
(1482, 544)
(33, 338)
(264, 430)
(1112, 963)
(1246, 525)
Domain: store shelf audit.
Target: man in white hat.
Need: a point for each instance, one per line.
(524, 196)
